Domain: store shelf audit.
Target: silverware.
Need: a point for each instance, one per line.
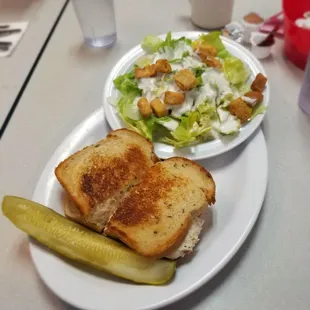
(4, 48)
(5, 45)
(4, 32)
(8, 32)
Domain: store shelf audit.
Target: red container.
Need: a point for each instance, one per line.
(296, 39)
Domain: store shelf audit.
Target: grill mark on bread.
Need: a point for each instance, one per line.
(100, 183)
(142, 205)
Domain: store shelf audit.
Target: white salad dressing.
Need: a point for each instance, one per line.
(250, 101)
(182, 48)
(176, 66)
(186, 106)
(217, 80)
(205, 93)
(164, 86)
(167, 53)
(227, 123)
(191, 62)
(231, 125)
(222, 114)
(145, 60)
(176, 53)
(171, 86)
(171, 125)
(148, 87)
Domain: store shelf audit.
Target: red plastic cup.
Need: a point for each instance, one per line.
(296, 39)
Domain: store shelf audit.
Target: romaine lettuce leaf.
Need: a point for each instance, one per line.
(202, 127)
(151, 44)
(258, 109)
(185, 54)
(179, 60)
(127, 84)
(170, 42)
(243, 88)
(198, 72)
(176, 60)
(183, 132)
(124, 105)
(193, 128)
(146, 127)
(144, 60)
(207, 109)
(168, 122)
(183, 135)
(235, 71)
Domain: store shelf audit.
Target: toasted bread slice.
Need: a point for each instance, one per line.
(97, 177)
(183, 167)
(156, 214)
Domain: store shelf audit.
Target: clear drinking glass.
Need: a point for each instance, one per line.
(97, 21)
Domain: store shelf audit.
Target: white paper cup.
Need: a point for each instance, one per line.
(249, 28)
(211, 14)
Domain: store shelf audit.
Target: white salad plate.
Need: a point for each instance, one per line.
(202, 150)
(229, 222)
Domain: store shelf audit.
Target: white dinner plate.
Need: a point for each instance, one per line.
(240, 176)
(202, 150)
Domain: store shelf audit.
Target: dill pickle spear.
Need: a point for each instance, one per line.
(80, 244)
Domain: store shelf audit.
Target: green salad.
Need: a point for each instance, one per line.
(183, 92)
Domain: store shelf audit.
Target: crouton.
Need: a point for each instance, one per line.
(207, 50)
(159, 107)
(204, 49)
(259, 83)
(185, 79)
(174, 98)
(255, 95)
(162, 66)
(144, 107)
(240, 109)
(147, 71)
(212, 62)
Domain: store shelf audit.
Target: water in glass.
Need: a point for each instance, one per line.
(97, 21)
